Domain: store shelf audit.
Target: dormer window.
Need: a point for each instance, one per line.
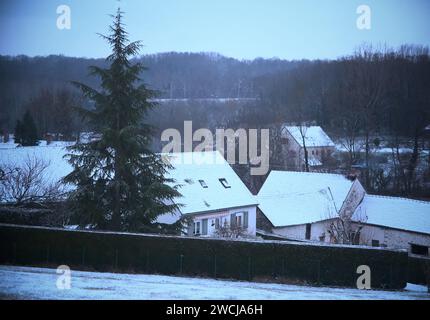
(224, 182)
(203, 184)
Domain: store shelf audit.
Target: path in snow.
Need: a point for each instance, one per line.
(40, 283)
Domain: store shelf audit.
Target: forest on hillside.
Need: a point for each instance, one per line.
(30, 80)
(374, 98)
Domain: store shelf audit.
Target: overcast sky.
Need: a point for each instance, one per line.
(237, 28)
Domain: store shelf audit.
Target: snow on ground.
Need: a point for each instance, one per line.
(40, 283)
(51, 154)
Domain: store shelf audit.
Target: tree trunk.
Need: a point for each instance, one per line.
(305, 150)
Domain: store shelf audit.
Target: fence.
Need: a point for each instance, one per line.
(274, 261)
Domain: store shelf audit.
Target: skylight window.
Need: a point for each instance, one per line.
(203, 184)
(225, 183)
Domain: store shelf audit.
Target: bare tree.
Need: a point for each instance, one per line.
(344, 224)
(27, 182)
(302, 129)
(227, 230)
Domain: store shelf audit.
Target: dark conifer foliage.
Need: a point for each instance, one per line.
(121, 184)
(26, 131)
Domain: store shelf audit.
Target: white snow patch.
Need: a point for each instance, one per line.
(291, 198)
(314, 136)
(399, 213)
(40, 283)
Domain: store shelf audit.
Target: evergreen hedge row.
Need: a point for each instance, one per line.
(274, 261)
(419, 270)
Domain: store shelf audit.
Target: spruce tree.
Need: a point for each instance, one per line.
(26, 131)
(18, 132)
(120, 183)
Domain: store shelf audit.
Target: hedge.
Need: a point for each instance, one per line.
(419, 270)
(274, 261)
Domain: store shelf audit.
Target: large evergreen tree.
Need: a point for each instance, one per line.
(120, 183)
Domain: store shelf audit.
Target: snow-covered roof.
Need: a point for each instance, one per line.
(314, 136)
(199, 175)
(398, 213)
(189, 169)
(291, 198)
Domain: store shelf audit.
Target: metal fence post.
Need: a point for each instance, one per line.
(215, 271)
(181, 256)
(47, 254)
(116, 259)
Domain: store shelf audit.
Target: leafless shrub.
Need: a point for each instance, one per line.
(344, 224)
(27, 182)
(230, 231)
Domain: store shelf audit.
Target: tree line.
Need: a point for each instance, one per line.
(23, 79)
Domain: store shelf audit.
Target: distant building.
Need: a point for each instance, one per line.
(318, 144)
(213, 195)
(304, 206)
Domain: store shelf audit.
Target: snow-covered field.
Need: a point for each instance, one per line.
(41, 283)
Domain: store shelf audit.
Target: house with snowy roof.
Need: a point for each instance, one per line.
(307, 206)
(213, 196)
(313, 139)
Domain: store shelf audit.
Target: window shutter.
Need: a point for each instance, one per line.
(205, 226)
(233, 220)
(245, 219)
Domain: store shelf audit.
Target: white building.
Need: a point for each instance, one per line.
(318, 145)
(213, 195)
(396, 222)
(303, 206)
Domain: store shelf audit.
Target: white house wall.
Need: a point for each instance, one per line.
(387, 237)
(318, 229)
(225, 216)
(393, 238)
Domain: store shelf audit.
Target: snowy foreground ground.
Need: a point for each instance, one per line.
(40, 283)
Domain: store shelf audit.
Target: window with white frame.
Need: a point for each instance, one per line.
(239, 219)
(197, 227)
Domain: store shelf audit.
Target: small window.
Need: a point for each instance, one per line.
(224, 183)
(421, 250)
(197, 228)
(239, 221)
(375, 243)
(204, 227)
(203, 183)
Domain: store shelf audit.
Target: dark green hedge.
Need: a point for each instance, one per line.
(418, 270)
(274, 261)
